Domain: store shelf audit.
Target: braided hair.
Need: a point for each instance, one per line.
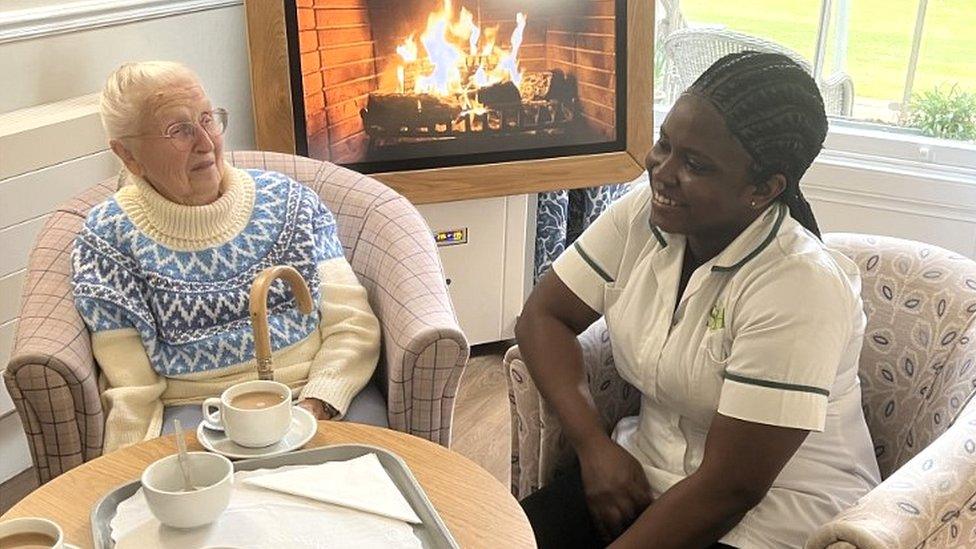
(775, 110)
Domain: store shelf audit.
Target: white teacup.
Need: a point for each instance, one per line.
(254, 427)
(162, 483)
(30, 532)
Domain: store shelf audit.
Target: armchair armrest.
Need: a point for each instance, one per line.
(424, 350)
(930, 500)
(52, 375)
(538, 447)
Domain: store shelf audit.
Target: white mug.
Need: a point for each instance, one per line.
(31, 525)
(163, 485)
(254, 428)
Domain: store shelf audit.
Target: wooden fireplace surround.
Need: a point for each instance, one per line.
(275, 130)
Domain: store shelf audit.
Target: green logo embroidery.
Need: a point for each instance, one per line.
(716, 318)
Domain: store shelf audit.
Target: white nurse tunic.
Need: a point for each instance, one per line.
(768, 331)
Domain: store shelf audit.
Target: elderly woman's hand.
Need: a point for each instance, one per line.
(319, 409)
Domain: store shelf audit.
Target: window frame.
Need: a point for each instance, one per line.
(874, 145)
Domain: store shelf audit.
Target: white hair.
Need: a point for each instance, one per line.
(128, 89)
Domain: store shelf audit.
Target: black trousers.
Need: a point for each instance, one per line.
(560, 518)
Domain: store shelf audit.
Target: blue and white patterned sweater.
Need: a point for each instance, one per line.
(191, 307)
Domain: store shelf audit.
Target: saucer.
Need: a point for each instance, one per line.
(303, 427)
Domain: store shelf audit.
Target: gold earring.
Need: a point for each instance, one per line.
(753, 203)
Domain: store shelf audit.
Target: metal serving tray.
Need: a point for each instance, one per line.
(432, 531)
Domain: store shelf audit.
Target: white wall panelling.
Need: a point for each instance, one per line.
(946, 233)
(17, 453)
(52, 17)
(7, 340)
(10, 288)
(6, 405)
(905, 201)
(16, 242)
(213, 42)
(39, 136)
(52, 186)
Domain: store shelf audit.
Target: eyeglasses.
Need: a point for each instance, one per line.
(184, 134)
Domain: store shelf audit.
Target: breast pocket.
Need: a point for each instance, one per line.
(701, 384)
(715, 348)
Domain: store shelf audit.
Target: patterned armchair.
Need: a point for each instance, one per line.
(52, 374)
(689, 51)
(918, 378)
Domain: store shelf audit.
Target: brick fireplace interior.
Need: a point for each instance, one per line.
(358, 109)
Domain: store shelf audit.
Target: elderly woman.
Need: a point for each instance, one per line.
(738, 326)
(162, 270)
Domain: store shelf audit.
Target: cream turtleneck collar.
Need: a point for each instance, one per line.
(190, 228)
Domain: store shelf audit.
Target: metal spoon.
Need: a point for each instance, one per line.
(183, 457)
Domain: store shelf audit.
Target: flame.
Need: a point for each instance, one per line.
(465, 29)
(458, 57)
(509, 62)
(473, 40)
(408, 50)
(445, 77)
(490, 34)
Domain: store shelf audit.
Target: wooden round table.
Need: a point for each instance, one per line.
(478, 510)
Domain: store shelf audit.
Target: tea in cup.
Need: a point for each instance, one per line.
(254, 414)
(172, 504)
(30, 533)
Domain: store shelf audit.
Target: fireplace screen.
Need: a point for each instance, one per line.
(384, 85)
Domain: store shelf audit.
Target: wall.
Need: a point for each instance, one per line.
(910, 201)
(51, 142)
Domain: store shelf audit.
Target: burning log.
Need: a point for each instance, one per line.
(548, 85)
(505, 93)
(395, 110)
(535, 85)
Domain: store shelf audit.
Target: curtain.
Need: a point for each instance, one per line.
(563, 215)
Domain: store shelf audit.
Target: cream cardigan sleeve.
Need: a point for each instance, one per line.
(350, 335)
(132, 389)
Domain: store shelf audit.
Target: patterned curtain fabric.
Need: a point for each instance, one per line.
(563, 215)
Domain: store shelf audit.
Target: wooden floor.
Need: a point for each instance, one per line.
(481, 422)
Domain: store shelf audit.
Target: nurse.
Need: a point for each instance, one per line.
(740, 329)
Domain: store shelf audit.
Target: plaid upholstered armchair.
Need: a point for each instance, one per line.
(918, 379)
(52, 374)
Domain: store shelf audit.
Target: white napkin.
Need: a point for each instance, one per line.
(360, 483)
(257, 519)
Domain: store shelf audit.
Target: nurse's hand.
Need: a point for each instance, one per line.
(616, 489)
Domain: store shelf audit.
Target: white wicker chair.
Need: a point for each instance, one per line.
(688, 52)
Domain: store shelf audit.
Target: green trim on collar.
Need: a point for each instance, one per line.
(776, 384)
(657, 234)
(593, 265)
(781, 214)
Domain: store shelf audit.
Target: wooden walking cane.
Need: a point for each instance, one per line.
(259, 311)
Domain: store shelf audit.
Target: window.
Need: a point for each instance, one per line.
(898, 76)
